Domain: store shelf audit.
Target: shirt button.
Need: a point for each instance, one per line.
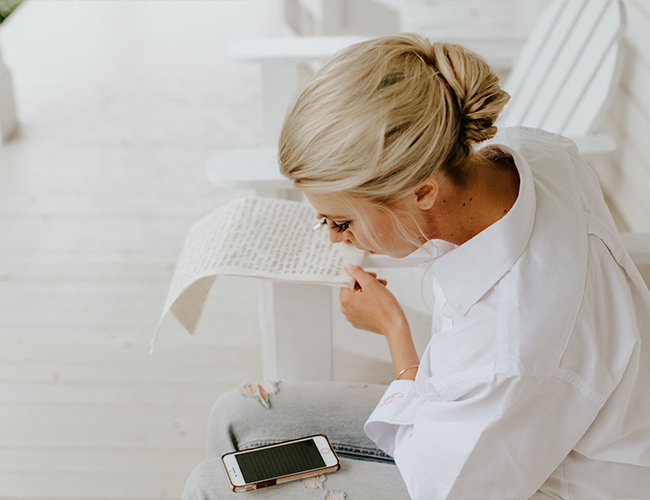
(459, 307)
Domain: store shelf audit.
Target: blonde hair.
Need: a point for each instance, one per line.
(384, 115)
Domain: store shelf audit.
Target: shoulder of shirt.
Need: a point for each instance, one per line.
(540, 352)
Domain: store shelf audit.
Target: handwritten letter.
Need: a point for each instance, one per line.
(259, 237)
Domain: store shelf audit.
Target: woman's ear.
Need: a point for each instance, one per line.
(427, 193)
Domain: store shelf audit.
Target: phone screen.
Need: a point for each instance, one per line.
(279, 461)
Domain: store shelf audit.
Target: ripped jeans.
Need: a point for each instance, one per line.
(240, 420)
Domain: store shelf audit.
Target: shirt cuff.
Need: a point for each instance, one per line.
(396, 409)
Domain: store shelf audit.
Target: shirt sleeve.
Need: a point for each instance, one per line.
(502, 439)
(394, 414)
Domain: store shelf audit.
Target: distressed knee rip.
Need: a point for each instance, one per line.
(260, 392)
(334, 495)
(316, 482)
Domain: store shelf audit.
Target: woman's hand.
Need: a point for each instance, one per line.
(370, 306)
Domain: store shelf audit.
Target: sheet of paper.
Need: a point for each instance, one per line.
(259, 237)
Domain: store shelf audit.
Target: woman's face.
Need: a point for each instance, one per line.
(364, 225)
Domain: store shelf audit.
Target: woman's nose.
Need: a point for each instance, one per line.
(337, 237)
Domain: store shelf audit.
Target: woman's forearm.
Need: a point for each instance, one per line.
(402, 350)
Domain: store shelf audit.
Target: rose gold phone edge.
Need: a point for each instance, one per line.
(284, 479)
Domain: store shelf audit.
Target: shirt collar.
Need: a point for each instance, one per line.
(467, 272)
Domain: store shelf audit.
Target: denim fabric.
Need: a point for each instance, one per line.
(335, 409)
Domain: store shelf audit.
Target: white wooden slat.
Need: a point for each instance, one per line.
(531, 50)
(226, 358)
(636, 69)
(42, 351)
(553, 94)
(52, 372)
(591, 57)
(136, 306)
(628, 198)
(632, 126)
(93, 485)
(113, 393)
(103, 414)
(52, 177)
(555, 40)
(98, 209)
(48, 265)
(627, 181)
(633, 188)
(86, 304)
(638, 18)
(136, 338)
(110, 460)
(587, 117)
(95, 205)
(641, 5)
(90, 435)
(84, 267)
(89, 235)
(112, 265)
(67, 377)
(90, 267)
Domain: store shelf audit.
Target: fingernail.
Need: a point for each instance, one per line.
(348, 266)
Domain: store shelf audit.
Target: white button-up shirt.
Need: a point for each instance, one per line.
(536, 381)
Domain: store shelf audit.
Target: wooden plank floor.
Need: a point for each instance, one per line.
(121, 105)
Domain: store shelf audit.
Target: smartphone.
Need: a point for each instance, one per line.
(279, 463)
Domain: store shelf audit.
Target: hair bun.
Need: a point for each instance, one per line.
(478, 95)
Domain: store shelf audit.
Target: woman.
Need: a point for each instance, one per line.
(536, 381)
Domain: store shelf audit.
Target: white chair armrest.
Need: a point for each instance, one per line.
(498, 51)
(595, 147)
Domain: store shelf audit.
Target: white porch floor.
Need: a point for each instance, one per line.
(121, 105)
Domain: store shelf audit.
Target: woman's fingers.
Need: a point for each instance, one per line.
(362, 278)
(373, 274)
(369, 305)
